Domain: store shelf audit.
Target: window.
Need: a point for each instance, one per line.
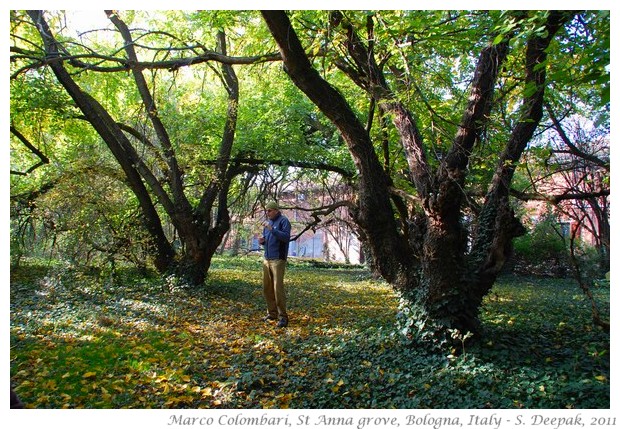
(565, 229)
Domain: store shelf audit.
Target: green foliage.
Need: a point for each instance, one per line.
(83, 219)
(78, 341)
(541, 326)
(543, 243)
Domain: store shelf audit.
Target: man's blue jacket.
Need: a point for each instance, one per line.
(277, 239)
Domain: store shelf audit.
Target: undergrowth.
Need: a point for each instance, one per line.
(80, 339)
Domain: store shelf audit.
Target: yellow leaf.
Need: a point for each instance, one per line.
(89, 374)
(43, 398)
(601, 378)
(268, 404)
(285, 398)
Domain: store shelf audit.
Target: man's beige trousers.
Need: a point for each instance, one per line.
(273, 287)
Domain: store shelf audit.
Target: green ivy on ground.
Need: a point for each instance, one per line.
(80, 339)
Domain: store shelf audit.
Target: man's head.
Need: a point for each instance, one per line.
(272, 209)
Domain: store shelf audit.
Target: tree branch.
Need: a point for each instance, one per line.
(290, 163)
(316, 214)
(555, 199)
(573, 149)
(124, 64)
(43, 159)
(370, 77)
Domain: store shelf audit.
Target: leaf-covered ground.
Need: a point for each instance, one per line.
(86, 340)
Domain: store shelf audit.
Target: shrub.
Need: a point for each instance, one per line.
(543, 250)
(543, 242)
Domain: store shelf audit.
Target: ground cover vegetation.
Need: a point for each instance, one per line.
(81, 338)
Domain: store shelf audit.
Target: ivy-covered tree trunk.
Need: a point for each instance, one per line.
(426, 256)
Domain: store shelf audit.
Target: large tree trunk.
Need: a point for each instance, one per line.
(374, 214)
(441, 283)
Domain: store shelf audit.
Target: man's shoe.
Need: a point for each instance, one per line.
(269, 318)
(283, 323)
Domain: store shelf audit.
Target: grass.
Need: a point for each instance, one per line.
(83, 340)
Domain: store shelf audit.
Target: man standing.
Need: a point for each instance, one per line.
(276, 236)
